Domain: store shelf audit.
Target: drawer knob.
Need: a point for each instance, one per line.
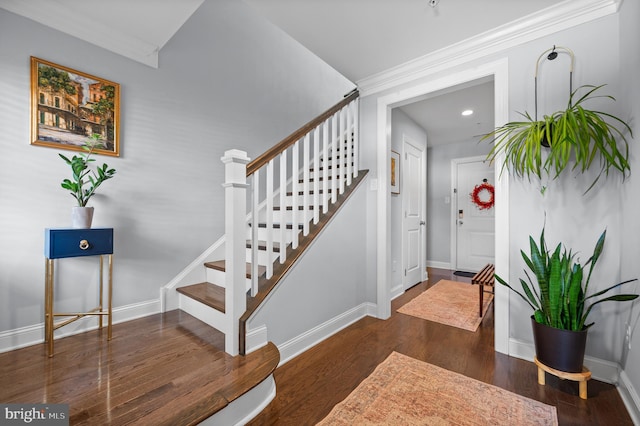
(84, 244)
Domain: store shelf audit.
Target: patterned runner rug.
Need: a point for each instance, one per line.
(405, 391)
(449, 302)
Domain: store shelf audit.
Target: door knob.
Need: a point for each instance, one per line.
(422, 222)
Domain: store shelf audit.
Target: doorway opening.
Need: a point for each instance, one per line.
(385, 104)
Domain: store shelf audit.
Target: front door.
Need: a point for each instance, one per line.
(414, 213)
(474, 214)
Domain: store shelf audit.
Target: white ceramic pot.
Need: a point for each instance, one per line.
(81, 217)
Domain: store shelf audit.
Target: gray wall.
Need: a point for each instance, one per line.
(571, 217)
(228, 79)
(327, 281)
(630, 267)
(438, 188)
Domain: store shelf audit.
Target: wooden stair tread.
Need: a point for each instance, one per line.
(220, 265)
(210, 294)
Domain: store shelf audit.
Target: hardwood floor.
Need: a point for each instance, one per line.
(169, 369)
(311, 384)
(164, 369)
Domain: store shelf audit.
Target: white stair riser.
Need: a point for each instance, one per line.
(262, 234)
(204, 313)
(286, 216)
(217, 277)
(263, 257)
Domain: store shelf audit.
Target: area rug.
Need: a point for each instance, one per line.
(449, 302)
(405, 391)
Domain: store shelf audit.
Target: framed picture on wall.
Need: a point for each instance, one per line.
(71, 109)
(395, 172)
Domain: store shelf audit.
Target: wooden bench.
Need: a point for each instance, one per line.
(484, 278)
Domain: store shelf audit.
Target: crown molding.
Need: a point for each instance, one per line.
(55, 14)
(567, 14)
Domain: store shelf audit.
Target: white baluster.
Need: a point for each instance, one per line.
(356, 137)
(255, 223)
(343, 149)
(349, 168)
(335, 160)
(295, 176)
(305, 184)
(325, 166)
(283, 205)
(316, 175)
(269, 215)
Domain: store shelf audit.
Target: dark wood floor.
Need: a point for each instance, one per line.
(169, 369)
(312, 383)
(164, 369)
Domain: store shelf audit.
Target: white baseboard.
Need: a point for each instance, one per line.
(301, 343)
(34, 334)
(630, 397)
(256, 338)
(602, 370)
(396, 292)
(439, 265)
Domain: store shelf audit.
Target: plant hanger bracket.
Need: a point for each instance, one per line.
(552, 54)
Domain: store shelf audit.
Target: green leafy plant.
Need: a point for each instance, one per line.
(560, 297)
(575, 134)
(82, 175)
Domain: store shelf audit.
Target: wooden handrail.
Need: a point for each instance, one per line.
(273, 152)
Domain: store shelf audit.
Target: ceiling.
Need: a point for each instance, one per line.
(359, 38)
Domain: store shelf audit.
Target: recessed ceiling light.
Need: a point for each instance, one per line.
(467, 112)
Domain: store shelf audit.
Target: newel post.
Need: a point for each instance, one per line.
(235, 212)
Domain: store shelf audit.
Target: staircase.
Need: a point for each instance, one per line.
(295, 189)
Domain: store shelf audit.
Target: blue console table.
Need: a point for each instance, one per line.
(63, 243)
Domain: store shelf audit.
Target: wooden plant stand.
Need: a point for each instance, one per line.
(581, 378)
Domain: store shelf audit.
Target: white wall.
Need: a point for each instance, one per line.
(228, 79)
(401, 125)
(571, 217)
(438, 188)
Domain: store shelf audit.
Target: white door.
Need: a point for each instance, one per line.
(414, 184)
(474, 220)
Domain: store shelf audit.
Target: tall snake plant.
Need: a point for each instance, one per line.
(559, 299)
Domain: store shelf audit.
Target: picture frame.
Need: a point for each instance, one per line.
(71, 109)
(395, 172)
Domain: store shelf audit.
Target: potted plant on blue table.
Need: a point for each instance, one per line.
(84, 182)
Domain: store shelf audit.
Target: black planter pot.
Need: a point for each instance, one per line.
(544, 141)
(559, 349)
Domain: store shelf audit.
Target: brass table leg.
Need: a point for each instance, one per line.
(48, 308)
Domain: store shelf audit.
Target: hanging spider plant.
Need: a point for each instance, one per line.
(576, 136)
